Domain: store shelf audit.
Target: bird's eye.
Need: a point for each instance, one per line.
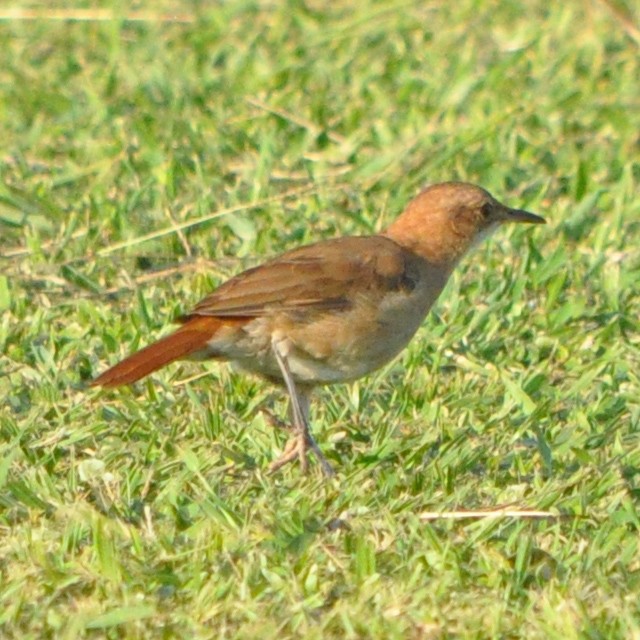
(486, 209)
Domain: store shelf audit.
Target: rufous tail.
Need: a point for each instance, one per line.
(190, 337)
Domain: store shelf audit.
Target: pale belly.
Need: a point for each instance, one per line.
(329, 347)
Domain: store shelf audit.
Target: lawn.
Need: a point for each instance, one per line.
(148, 152)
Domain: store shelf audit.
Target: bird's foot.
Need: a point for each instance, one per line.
(299, 447)
(291, 452)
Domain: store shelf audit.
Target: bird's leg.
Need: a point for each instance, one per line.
(300, 444)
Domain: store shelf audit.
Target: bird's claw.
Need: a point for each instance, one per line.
(299, 447)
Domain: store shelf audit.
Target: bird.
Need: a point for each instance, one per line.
(333, 311)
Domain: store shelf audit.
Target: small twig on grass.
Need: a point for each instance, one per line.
(199, 264)
(175, 228)
(17, 252)
(498, 512)
(304, 123)
(197, 376)
(180, 233)
(92, 15)
(625, 20)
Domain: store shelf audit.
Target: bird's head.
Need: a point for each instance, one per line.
(447, 219)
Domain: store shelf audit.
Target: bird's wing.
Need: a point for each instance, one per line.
(319, 276)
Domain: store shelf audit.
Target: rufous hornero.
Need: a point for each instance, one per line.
(332, 311)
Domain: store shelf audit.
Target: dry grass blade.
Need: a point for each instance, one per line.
(92, 15)
(623, 18)
(177, 228)
(497, 512)
(295, 119)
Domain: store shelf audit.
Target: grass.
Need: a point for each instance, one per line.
(145, 161)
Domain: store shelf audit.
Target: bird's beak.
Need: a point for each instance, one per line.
(518, 215)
